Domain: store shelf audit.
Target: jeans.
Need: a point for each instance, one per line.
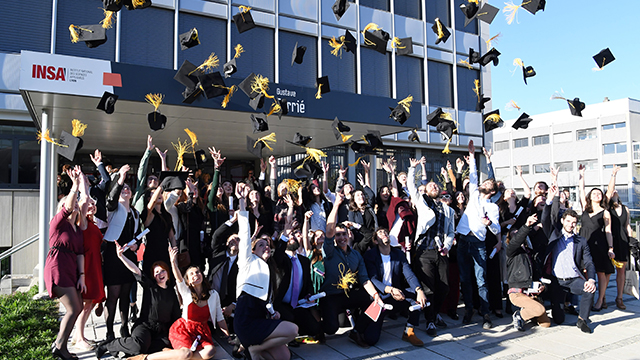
(472, 256)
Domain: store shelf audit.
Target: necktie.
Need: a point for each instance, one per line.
(295, 277)
(223, 282)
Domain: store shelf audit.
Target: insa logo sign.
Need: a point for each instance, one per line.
(48, 72)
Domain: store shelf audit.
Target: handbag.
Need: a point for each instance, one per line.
(184, 259)
(632, 279)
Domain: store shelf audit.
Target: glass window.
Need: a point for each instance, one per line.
(440, 83)
(614, 126)
(214, 37)
(636, 152)
(341, 71)
(259, 57)
(5, 161)
(589, 164)
(562, 137)
(376, 4)
(34, 21)
(564, 166)
(304, 74)
(376, 72)
(607, 127)
(621, 148)
(586, 134)
(19, 157)
(28, 162)
(467, 99)
(540, 140)
(501, 145)
(541, 168)
(525, 169)
(85, 13)
(518, 143)
(460, 18)
(147, 45)
(409, 8)
(615, 148)
(606, 167)
(438, 9)
(501, 173)
(410, 78)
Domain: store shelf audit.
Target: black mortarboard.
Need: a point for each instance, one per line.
(229, 68)
(603, 58)
(257, 102)
(284, 110)
(443, 125)
(339, 8)
(129, 4)
(173, 180)
(481, 101)
(533, 6)
(491, 55)
(191, 94)
(108, 102)
(377, 41)
(469, 10)
(405, 47)
(487, 13)
(245, 86)
(201, 158)
(298, 54)
(434, 116)
(474, 56)
(437, 27)
(112, 5)
(350, 42)
(189, 39)
(323, 84)
(260, 123)
(399, 114)
(255, 147)
(338, 128)
(156, 120)
(527, 72)
(92, 35)
(213, 85)
(306, 169)
(187, 75)
(244, 21)
(576, 106)
(300, 140)
(522, 122)
(492, 120)
(373, 139)
(413, 135)
(72, 142)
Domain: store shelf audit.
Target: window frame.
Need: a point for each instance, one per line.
(535, 170)
(515, 146)
(534, 138)
(588, 131)
(498, 145)
(15, 162)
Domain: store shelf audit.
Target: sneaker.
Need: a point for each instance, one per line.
(582, 325)
(357, 339)
(467, 317)
(410, 337)
(101, 349)
(486, 322)
(518, 322)
(439, 322)
(431, 330)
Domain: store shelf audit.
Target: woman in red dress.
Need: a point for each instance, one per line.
(64, 270)
(199, 304)
(93, 273)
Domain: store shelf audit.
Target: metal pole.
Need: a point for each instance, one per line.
(44, 211)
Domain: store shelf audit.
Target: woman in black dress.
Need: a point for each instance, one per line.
(596, 228)
(161, 233)
(621, 231)
(192, 215)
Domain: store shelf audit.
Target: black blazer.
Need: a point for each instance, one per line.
(581, 254)
(217, 261)
(283, 276)
(400, 269)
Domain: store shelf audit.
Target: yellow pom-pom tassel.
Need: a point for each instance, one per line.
(446, 148)
(511, 12)
(74, 33)
(211, 63)
(493, 118)
(406, 103)
(275, 107)
(192, 137)
(440, 33)
(155, 100)
(356, 162)
(78, 128)
(315, 154)
(493, 39)
(337, 46)
(239, 50)
(476, 87)
(319, 92)
(345, 138)
(47, 137)
(109, 18)
(266, 140)
(227, 97)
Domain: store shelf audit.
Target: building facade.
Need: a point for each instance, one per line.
(149, 38)
(606, 135)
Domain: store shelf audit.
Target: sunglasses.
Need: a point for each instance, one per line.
(445, 196)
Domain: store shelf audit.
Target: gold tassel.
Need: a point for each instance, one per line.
(319, 92)
(78, 128)
(275, 107)
(226, 99)
(512, 105)
(292, 185)
(465, 63)
(476, 88)
(192, 137)
(395, 44)
(181, 149)
(511, 11)
(558, 96)
(239, 50)
(406, 103)
(617, 264)
(356, 163)
(137, 3)
(109, 18)
(271, 138)
(260, 84)
(518, 62)
(439, 27)
(372, 27)
(345, 138)
(473, 1)
(243, 10)
(446, 116)
(314, 154)
(74, 33)
(446, 148)
(493, 118)
(211, 63)
(155, 100)
(337, 46)
(346, 278)
(495, 39)
(47, 137)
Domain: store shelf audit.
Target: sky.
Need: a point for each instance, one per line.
(559, 43)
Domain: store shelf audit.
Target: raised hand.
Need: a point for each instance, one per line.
(96, 158)
(272, 161)
(413, 162)
(342, 172)
(519, 170)
(423, 161)
(365, 165)
(532, 220)
(124, 170)
(581, 169)
(472, 148)
(162, 154)
(443, 172)
(459, 165)
(615, 170)
(263, 166)
(448, 165)
(150, 145)
(242, 190)
(487, 153)
(325, 167)
(392, 164)
(308, 215)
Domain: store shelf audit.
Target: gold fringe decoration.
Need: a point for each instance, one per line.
(446, 148)
(319, 93)
(337, 46)
(212, 62)
(243, 10)
(406, 103)
(155, 100)
(345, 138)
(445, 115)
(260, 84)
(47, 137)
(493, 118)
(511, 11)
(517, 63)
(357, 162)
(78, 128)
(494, 39)
(292, 185)
(74, 33)
(465, 63)
(226, 99)
(239, 50)
(473, 1)
(275, 107)
(137, 3)
(600, 68)
(395, 44)
(558, 96)
(271, 138)
(439, 27)
(192, 137)
(476, 88)
(346, 278)
(372, 27)
(314, 154)
(181, 149)
(512, 105)
(109, 18)
(617, 264)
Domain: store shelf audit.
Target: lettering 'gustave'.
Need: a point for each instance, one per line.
(48, 72)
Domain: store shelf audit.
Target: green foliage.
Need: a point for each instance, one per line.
(27, 327)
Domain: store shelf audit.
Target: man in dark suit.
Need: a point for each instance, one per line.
(389, 270)
(223, 266)
(568, 262)
(293, 283)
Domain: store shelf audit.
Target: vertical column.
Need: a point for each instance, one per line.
(176, 37)
(394, 87)
(54, 17)
(358, 56)
(44, 203)
(118, 29)
(276, 42)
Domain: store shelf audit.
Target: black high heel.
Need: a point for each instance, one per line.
(58, 354)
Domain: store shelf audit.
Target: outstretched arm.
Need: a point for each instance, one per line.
(612, 182)
(583, 197)
(128, 263)
(525, 186)
(173, 256)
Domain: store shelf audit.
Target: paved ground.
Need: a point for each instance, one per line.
(616, 336)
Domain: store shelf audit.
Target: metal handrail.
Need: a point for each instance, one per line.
(19, 247)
